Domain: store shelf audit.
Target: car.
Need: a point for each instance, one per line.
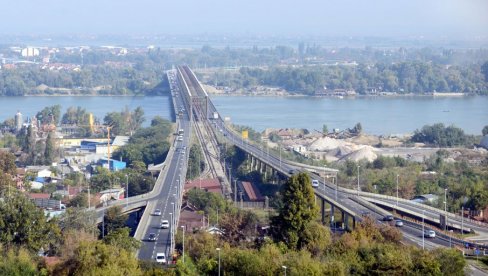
(157, 212)
(315, 183)
(398, 223)
(160, 258)
(429, 233)
(152, 237)
(388, 218)
(164, 224)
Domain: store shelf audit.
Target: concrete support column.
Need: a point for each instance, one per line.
(322, 210)
(343, 219)
(332, 207)
(353, 222)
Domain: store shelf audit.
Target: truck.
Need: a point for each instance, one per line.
(215, 115)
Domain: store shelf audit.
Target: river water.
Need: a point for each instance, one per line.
(378, 115)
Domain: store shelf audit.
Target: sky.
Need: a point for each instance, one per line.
(387, 18)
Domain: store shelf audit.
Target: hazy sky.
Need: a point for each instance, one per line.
(452, 18)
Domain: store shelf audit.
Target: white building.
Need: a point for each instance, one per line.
(29, 52)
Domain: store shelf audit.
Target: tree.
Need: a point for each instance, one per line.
(17, 262)
(357, 129)
(485, 130)
(195, 162)
(99, 258)
(296, 213)
(120, 238)
(50, 114)
(78, 219)
(49, 151)
(237, 226)
(451, 261)
(80, 200)
(114, 219)
(484, 70)
(325, 130)
(7, 163)
(22, 223)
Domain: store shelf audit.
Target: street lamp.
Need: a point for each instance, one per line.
(173, 219)
(183, 229)
(337, 185)
(218, 250)
(397, 191)
(358, 178)
(171, 232)
(127, 190)
(284, 268)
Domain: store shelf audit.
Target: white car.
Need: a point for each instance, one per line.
(160, 258)
(429, 233)
(315, 183)
(164, 224)
(157, 212)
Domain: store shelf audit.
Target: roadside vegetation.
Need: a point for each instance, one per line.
(301, 243)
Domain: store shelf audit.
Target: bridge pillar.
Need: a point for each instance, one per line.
(332, 207)
(252, 163)
(322, 210)
(265, 172)
(353, 222)
(343, 218)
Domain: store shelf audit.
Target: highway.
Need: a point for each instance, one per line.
(168, 199)
(340, 197)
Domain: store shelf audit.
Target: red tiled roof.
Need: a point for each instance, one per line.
(251, 191)
(209, 184)
(39, 196)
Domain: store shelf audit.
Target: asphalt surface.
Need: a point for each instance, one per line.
(170, 192)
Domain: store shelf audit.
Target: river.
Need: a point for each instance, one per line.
(378, 115)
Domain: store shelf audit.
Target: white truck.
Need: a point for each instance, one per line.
(215, 115)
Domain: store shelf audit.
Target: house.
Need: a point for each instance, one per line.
(44, 173)
(215, 231)
(115, 165)
(299, 149)
(211, 185)
(191, 218)
(69, 191)
(285, 134)
(252, 193)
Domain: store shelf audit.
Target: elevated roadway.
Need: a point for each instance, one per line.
(343, 199)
